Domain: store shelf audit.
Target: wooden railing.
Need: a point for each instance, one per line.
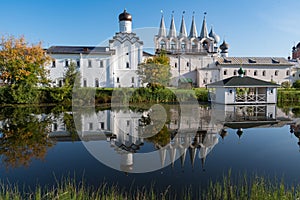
(250, 98)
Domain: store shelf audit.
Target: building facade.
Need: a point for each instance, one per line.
(199, 58)
(109, 66)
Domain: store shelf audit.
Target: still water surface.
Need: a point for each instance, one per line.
(41, 145)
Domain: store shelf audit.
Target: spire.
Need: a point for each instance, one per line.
(193, 31)
(162, 27)
(182, 32)
(172, 32)
(204, 33)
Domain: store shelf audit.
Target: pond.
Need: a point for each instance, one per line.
(154, 146)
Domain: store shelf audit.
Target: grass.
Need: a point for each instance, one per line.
(254, 188)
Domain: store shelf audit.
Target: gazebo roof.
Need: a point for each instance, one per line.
(245, 81)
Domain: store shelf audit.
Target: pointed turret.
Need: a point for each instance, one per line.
(172, 32)
(204, 33)
(214, 36)
(162, 28)
(193, 31)
(182, 31)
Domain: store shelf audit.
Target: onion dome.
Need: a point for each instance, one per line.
(224, 46)
(214, 36)
(125, 16)
(241, 72)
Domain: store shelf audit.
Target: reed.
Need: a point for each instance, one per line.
(228, 188)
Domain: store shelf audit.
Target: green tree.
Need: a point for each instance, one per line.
(64, 94)
(155, 70)
(22, 68)
(296, 84)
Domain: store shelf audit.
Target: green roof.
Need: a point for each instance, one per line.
(245, 81)
(185, 80)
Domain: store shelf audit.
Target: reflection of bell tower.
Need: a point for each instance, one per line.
(126, 162)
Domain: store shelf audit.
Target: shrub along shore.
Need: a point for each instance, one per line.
(128, 95)
(242, 188)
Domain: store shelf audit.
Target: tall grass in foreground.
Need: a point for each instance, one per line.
(254, 188)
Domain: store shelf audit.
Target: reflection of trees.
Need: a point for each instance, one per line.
(162, 138)
(24, 136)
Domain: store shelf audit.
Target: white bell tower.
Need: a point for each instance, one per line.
(125, 22)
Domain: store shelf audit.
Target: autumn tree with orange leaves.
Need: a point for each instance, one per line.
(22, 68)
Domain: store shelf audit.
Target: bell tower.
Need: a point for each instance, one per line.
(125, 22)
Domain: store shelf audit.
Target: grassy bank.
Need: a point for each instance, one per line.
(255, 188)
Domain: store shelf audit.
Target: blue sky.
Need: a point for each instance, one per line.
(251, 27)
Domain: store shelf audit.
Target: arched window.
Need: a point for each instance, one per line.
(255, 73)
(194, 45)
(173, 44)
(96, 82)
(183, 46)
(264, 73)
(234, 72)
(287, 72)
(162, 44)
(225, 72)
(276, 73)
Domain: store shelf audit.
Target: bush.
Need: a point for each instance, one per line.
(296, 84)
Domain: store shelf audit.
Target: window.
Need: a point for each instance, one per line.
(287, 72)
(225, 72)
(271, 91)
(89, 63)
(66, 63)
(173, 44)
(182, 45)
(132, 79)
(187, 64)
(102, 125)
(53, 64)
(96, 82)
(84, 83)
(55, 127)
(78, 63)
(127, 65)
(162, 44)
(101, 63)
(234, 72)
(90, 126)
(264, 73)
(128, 122)
(255, 73)
(60, 83)
(276, 73)
(118, 80)
(176, 65)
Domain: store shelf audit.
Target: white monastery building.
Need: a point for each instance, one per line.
(199, 59)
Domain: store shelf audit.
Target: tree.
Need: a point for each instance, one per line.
(296, 84)
(64, 94)
(22, 63)
(22, 68)
(155, 70)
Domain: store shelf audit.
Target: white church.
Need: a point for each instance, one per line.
(199, 59)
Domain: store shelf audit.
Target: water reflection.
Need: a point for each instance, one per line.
(23, 136)
(121, 134)
(124, 131)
